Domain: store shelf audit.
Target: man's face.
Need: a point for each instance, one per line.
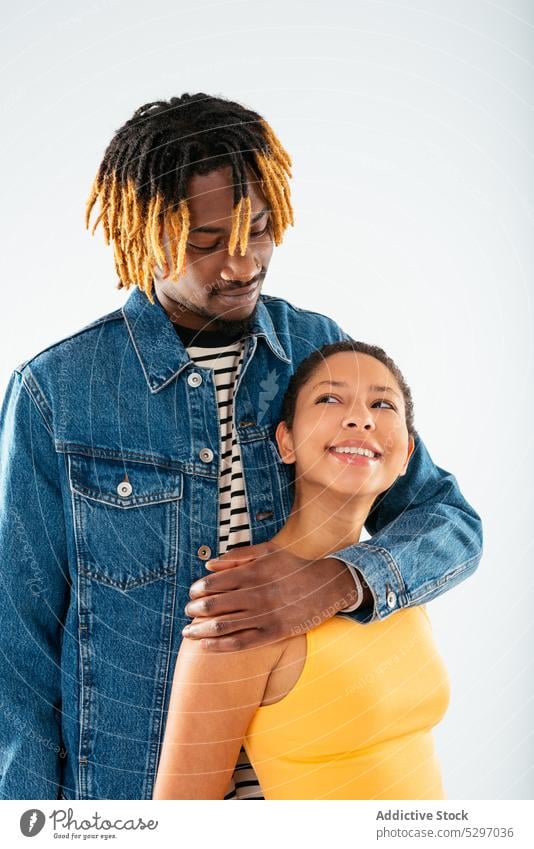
(217, 291)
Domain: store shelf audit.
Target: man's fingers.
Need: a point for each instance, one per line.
(243, 554)
(212, 605)
(220, 583)
(239, 577)
(220, 565)
(237, 642)
(217, 627)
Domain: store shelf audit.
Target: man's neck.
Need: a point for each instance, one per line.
(205, 338)
(182, 317)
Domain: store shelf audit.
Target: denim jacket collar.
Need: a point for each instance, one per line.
(160, 350)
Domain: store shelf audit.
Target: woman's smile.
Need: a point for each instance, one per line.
(355, 452)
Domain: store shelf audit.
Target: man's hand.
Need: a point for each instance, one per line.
(261, 594)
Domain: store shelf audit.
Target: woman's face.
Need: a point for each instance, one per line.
(349, 430)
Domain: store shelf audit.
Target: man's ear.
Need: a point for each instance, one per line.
(284, 440)
(411, 446)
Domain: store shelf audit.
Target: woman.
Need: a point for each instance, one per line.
(345, 710)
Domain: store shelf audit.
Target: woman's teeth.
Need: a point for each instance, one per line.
(364, 452)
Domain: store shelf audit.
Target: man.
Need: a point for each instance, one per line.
(142, 446)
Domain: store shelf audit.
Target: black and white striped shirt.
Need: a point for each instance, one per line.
(225, 362)
(209, 349)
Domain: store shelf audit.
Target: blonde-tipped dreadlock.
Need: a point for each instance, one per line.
(141, 184)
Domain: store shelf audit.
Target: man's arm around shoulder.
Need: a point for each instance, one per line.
(426, 538)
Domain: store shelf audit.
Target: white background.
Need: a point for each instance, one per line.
(410, 127)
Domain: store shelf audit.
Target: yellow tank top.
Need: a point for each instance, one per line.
(357, 724)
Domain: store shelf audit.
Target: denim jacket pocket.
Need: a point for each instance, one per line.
(126, 519)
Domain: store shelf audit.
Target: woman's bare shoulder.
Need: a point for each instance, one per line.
(204, 661)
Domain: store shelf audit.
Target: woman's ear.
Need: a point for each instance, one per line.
(411, 446)
(284, 440)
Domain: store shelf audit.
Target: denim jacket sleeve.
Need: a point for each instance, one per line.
(425, 539)
(35, 592)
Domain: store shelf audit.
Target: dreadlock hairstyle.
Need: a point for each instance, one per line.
(142, 181)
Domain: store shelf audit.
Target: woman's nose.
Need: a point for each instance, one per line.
(361, 419)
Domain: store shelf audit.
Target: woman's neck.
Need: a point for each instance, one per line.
(319, 525)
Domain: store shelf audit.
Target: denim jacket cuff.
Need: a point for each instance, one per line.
(382, 575)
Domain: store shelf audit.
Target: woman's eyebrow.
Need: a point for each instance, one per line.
(375, 388)
(372, 388)
(209, 229)
(331, 383)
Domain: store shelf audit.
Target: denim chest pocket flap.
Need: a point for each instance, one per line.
(126, 520)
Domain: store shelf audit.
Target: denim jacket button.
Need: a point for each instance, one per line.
(124, 489)
(194, 379)
(206, 455)
(391, 600)
(204, 552)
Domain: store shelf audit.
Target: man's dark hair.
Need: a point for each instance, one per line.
(308, 366)
(142, 180)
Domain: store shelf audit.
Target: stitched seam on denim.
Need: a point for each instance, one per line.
(158, 701)
(140, 501)
(38, 399)
(376, 602)
(391, 563)
(179, 466)
(443, 518)
(112, 454)
(153, 757)
(136, 349)
(278, 353)
(114, 316)
(416, 599)
(154, 387)
(131, 583)
(283, 354)
(299, 309)
(81, 707)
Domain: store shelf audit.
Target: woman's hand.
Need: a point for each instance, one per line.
(260, 594)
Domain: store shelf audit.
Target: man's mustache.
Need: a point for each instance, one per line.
(232, 286)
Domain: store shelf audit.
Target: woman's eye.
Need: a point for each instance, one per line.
(380, 401)
(323, 398)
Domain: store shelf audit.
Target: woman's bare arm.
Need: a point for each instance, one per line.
(213, 699)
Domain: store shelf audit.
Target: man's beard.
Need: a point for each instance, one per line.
(226, 326)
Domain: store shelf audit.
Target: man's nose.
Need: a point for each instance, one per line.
(240, 268)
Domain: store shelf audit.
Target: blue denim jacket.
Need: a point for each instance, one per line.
(95, 575)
